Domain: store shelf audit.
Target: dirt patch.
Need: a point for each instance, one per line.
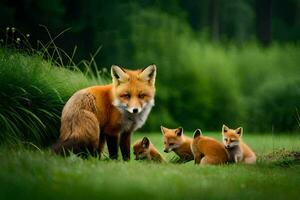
(284, 157)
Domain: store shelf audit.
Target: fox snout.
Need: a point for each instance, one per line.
(167, 150)
(134, 110)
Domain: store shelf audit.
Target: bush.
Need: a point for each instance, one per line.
(276, 105)
(196, 84)
(33, 93)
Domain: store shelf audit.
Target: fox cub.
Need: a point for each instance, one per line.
(144, 150)
(207, 150)
(237, 149)
(175, 140)
(108, 113)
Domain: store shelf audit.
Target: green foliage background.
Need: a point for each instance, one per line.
(202, 82)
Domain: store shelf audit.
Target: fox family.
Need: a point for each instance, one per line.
(111, 113)
(207, 150)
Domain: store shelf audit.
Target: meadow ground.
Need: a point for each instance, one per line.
(28, 173)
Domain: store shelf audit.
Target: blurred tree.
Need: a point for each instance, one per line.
(197, 13)
(215, 21)
(27, 15)
(236, 20)
(264, 21)
(286, 20)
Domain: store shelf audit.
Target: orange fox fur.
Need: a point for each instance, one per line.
(175, 140)
(144, 150)
(109, 113)
(237, 149)
(207, 150)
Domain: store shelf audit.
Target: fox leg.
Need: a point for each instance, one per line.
(197, 159)
(102, 140)
(64, 147)
(125, 145)
(236, 160)
(112, 145)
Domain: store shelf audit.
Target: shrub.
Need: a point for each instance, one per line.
(196, 83)
(33, 92)
(276, 105)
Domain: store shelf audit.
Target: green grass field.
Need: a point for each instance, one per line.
(28, 173)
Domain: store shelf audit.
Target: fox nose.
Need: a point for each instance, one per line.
(165, 150)
(227, 146)
(135, 110)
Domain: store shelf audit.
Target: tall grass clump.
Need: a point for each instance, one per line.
(33, 92)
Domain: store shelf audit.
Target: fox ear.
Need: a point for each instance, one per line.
(163, 130)
(197, 133)
(239, 131)
(145, 142)
(224, 128)
(179, 131)
(118, 75)
(148, 74)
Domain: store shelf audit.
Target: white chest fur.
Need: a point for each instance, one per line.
(235, 154)
(131, 122)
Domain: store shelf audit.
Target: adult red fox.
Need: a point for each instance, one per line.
(109, 113)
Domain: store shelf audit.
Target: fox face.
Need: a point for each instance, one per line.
(141, 149)
(231, 138)
(133, 90)
(172, 138)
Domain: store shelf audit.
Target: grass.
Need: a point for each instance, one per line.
(26, 173)
(33, 92)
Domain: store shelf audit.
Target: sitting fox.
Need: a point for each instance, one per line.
(109, 113)
(144, 150)
(207, 150)
(237, 149)
(175, 140)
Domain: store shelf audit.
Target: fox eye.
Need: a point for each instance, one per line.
(171, 144)
(126, 96)
(225, 139)
(142, 95)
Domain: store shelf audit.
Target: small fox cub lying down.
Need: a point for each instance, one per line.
(207, 150)
(144, 150)
(237, 149)
(108, 113)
